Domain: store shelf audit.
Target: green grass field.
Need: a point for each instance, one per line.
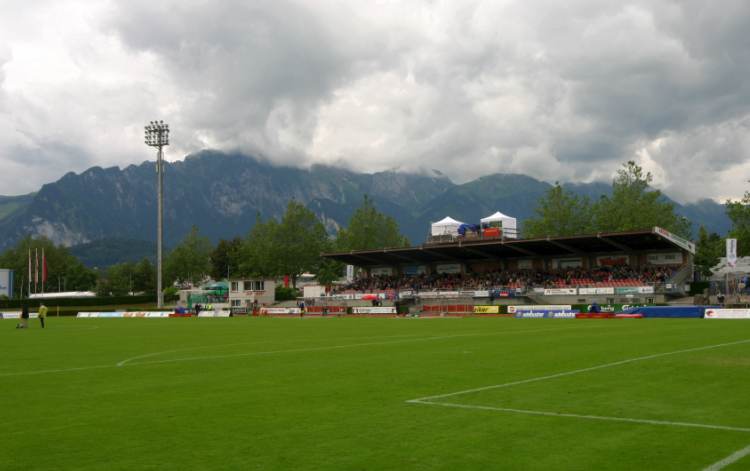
(317, 394)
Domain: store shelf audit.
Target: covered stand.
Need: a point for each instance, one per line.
(446, 226)
(505, 223)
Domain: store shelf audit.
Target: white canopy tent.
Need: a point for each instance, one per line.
(508, 224)
(446, 226)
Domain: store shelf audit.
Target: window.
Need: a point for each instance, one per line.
(248, 285)
(235, 286)
(236, 303)
(258, 285)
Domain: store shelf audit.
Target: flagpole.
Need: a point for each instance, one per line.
(44, 270)
(29, 291)
(36, 270)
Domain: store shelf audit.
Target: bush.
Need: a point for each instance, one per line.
(286, 294)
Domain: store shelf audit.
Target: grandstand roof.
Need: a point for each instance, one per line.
(477, 250)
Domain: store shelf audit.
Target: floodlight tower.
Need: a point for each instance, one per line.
(157, 135)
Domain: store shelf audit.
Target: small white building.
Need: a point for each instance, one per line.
(243, 293)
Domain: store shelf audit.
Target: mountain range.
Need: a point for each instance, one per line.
(223, 194)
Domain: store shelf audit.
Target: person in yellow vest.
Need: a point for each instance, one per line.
(42, 314)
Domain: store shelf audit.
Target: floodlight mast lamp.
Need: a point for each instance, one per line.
(157, 135)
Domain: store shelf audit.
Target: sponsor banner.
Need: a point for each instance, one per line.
(525, 264)
(146, 314)
(612, 260)
(678, 241)
(539, 307)
(467, 294)
(727, 314)
(486, 309)
(374, 310)
(645, 290)
(595, 291)
(381, 271)
(214, 314)
(280, 310)
(10, 315)
(560, 291)
(109, 315)
(407, 293)
(439, 294)
(449, 268)
(530, 314)
(626, 290)
(562, 314)
(670, 258)
(567, 262)
(546, 314)
(412, 270)
(349, 273)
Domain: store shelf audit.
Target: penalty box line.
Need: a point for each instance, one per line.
(435, 399)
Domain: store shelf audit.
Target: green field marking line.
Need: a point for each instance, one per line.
(584, 416)
(731, 459)
(575, 372)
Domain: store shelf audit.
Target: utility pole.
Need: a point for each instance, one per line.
(157, 135)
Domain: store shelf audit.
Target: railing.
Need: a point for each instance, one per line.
(507, 233)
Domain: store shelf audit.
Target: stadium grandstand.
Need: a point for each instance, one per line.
(648, 266)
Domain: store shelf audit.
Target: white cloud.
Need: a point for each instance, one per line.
(557, 90)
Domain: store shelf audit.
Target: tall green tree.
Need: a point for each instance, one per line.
(225, 258)
(300, 239)
(258, 250)
(633, 205)
(190, 261)
(739, 214)
(117, 280)
(560, 213)
(64, 271)
(144, 277)
(370, 229)
(708, 250)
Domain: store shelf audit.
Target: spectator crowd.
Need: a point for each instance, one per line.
(565, 277)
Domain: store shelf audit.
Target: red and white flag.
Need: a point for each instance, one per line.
(29, 278)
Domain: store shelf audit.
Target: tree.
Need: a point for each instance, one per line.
(300, 239)
(63, 269)
(709, 248)
(117, 281)
(257, 253)
(289, 247)
(144, 277)
(560, 213)
(190, 261)
(225, 258)
(634, 206)
(739, 214)
(370, 229)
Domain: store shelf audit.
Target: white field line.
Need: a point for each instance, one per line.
(295, 350)
(578, 371)
(731, 459)
(315, 349)
(589, 417)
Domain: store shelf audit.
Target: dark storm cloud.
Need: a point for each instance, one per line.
(558, 90)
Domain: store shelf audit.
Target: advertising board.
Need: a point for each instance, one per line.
(546, 314)
(10, 315)
(280, 310)
(539, 307)
(727, 314)
(448, 268)
(560, 291)
(6, 282)
(374, 310)
(595, 291)
(486, 309)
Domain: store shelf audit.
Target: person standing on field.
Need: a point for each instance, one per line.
(24, 324)
(42, 314)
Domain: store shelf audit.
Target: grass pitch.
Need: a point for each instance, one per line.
(318, 394)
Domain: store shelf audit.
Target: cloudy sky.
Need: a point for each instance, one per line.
(559, 90)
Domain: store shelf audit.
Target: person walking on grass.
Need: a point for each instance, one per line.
(42, 314)
(24, 324)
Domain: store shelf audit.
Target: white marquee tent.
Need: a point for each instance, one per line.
(448, 225)
(508, 224)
